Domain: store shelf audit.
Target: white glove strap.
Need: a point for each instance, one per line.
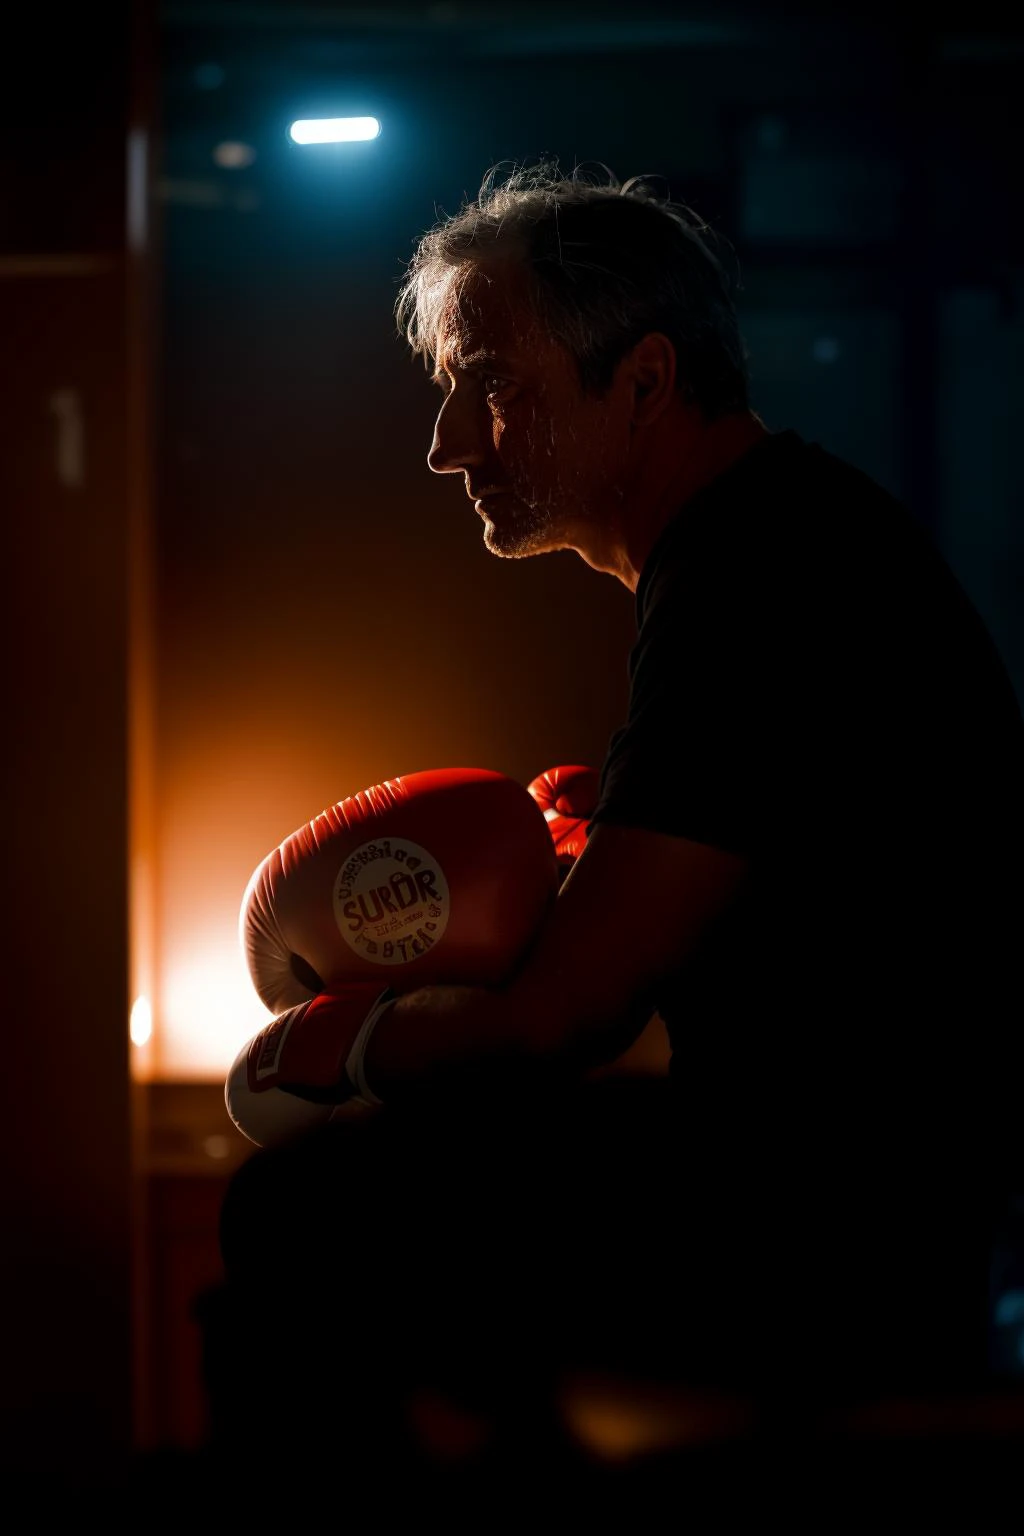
(355, 1068)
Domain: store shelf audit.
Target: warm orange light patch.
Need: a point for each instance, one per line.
(208, 1007)
(618, 1420)
(140, 1022)
(227, 792)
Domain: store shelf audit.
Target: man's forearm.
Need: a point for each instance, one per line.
(446, 1037)
(459, 1038)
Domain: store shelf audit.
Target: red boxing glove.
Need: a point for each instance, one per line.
(568, 797)
(441, 876)
(305, 1066)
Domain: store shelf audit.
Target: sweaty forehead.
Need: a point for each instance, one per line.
(484, 311)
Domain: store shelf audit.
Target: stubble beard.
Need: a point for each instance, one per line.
(530, 530)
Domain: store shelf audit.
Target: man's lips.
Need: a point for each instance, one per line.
(489, 493)
(478, 494)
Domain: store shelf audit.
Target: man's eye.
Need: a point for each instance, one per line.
(493, 385)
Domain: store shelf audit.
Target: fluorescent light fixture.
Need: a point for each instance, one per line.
(334, 130)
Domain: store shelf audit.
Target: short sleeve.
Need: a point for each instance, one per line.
(692, 756)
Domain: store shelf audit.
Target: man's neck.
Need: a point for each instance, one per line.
(677, 465)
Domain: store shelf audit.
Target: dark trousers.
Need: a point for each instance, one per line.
(487, 1250)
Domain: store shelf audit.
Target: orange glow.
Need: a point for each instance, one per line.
(227, 791)
(142, 968)
(208, 1007)
(619, 1419)
(140, 1023)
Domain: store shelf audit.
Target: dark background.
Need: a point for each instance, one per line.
(233, 591)
(326, 613)
(865, 173)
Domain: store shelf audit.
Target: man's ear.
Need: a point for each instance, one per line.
(653, 368)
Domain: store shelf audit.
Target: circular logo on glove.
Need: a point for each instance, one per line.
(391, 901)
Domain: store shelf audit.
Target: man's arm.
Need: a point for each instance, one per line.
(634, 907)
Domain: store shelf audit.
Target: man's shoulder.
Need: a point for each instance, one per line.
(747, 519)
(788, 494)
(804, 480)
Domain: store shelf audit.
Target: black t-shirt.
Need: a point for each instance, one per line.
(811, 688)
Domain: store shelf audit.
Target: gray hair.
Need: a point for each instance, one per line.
(608, 262)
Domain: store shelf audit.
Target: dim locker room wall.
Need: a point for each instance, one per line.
(72, 489)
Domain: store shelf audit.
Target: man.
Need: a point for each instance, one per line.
(807, 846)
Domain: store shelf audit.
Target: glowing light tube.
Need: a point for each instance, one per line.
(334, 130)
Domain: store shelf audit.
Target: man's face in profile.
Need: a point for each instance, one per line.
(543, 460)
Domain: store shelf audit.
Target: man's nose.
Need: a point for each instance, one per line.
(457, 444)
